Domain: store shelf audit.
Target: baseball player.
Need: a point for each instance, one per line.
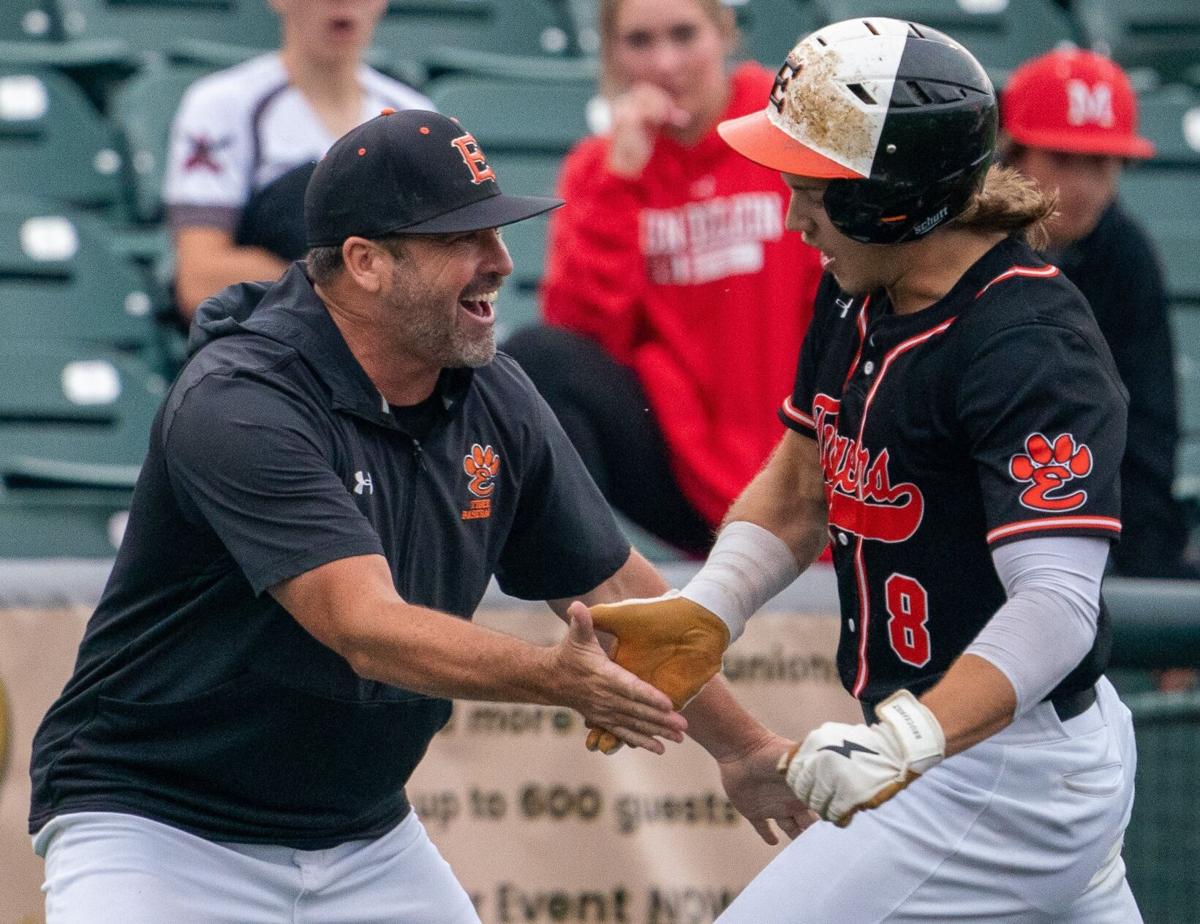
(956, 429)
(331, 482)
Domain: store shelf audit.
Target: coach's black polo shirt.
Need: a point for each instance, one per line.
(197, 700)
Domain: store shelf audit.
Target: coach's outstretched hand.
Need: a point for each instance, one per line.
(842, 769)
(668, 641)
(583, 677)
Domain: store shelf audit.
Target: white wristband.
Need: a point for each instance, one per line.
(748, 565)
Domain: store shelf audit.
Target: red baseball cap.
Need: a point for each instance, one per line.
(1075, 101)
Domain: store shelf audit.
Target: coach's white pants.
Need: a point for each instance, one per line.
(109, 868)
(1023, 828)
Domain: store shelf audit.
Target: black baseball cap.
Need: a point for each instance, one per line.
(408, 172)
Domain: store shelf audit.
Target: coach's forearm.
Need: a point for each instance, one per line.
(430, 652)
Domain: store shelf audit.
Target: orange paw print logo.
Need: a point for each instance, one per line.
(482, 464)
(1051, 467)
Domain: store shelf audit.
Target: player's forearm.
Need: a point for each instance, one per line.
(787, 498)
(973, 701)
(719, 723)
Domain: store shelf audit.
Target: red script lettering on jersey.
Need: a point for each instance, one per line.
(862, 499)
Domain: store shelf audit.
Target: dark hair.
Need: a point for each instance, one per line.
(324, 263)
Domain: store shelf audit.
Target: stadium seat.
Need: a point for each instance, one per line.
(770, 28)
(74, 426)
(1163, 838)
(1164, 193)
(422, 30)
(59, 279)
(28, 20)
(54, 144)
(154, 26)
(1160, 35)
(73, 415)
(33, 34)
(1185, 326)
(62, 522)
(514, 113)
(1000, 33)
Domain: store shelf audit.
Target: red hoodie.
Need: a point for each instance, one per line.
(687, 276)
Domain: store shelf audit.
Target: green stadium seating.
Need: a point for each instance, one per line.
(154, 26)
(1185, 327)
(72, 416)
(425, 30)
(54, 144)
(1164, 193)
(1000, 33)
(515, 113)
(1163, 838)
(1159, 35)
(28, 20)
(770, 28)
(74, 425)
(33, 34)
(62, 522)
(60, 279)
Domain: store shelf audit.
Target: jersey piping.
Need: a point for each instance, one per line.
(1031, 526)
(1039, 272)
(860, 567)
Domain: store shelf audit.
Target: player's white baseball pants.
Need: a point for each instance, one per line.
(108, 868)
(1024, 827)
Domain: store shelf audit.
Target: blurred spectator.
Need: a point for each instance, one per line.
(675, 301)
(245, 139)
(1069, 120)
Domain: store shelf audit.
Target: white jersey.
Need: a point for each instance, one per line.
(239, 129)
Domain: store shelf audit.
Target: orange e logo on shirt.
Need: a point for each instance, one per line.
(473, 157)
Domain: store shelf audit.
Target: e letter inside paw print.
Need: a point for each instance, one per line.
(1050, 467)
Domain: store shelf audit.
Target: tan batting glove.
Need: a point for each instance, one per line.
(668, 641)
(842, 769)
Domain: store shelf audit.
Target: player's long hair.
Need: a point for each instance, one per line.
(1010, 202)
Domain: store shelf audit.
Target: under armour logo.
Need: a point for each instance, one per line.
(362, 482)
(844, 305)
(1089, 104)
(847, 747)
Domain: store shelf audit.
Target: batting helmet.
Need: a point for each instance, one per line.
(899, 117)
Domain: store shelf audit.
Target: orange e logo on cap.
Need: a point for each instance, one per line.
(473, 157)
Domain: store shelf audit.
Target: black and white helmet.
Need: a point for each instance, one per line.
(899, 117)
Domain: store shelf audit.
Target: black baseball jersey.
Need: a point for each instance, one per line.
(197, 700)
(995, 414)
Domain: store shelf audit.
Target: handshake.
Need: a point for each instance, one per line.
(676, 644)
(670, 642)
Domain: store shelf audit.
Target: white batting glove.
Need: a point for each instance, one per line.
(840, 769)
